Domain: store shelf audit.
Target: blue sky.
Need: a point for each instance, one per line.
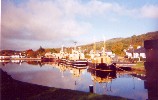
(29, 24)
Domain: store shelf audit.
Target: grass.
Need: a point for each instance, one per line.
(15, 90)
(139, 68)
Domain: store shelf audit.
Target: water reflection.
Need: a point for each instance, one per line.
(57, 75)
(101, 76)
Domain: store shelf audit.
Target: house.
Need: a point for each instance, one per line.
(108, 52)
(129, 53)
(3, 57)
(138, 53)
(49, 55)
(17, 55)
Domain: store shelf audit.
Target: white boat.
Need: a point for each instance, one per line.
(63, 60)
(80, 63)
(69, 62)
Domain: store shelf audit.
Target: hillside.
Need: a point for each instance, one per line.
(117, 45)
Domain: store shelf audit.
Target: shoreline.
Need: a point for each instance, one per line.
(13, 89)
(25, 58)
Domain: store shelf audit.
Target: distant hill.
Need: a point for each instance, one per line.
(117, 45)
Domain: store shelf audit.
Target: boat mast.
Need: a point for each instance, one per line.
(75, 45)
(94, 46)
(104, 46)
(62, 48)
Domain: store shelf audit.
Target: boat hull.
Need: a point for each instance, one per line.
(47, 59)
(102, 66)
(80, 63)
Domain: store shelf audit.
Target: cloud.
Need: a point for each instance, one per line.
(38, 20)
(53, 21)
(149, 11)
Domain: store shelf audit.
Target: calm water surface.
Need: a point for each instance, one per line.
(122, 84)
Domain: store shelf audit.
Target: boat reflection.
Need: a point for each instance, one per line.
(102, 76)
(4, 62)
(31, 62)
(54, 74)
(75, 71)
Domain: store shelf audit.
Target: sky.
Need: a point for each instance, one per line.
(29, 24)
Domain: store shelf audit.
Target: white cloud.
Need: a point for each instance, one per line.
(38, 20)
(149, 11)
(47, 20)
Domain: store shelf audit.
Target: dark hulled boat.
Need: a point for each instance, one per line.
(102, 75)
(45, 59)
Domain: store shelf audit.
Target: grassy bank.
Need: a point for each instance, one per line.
(139, 68)
(12, 89)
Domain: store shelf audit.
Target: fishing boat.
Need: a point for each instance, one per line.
(45, 59)
(99, 60)
(102, 76)
(77, 58)
(69, 62)
(80, 63)
(62, 61)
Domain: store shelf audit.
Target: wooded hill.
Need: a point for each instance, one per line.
(117, 45)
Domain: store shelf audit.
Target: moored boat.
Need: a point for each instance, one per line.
(102, 76)
(69, 62)
(45, 59)
(80, 63)
(62, 60)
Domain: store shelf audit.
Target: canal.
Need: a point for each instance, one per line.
(124, 83)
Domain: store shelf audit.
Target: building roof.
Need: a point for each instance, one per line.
(140, 50)
(130, 50)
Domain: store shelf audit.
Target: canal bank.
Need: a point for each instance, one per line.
(139, 68)
(13, 89)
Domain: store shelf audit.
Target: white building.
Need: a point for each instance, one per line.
(49, 55)
(139, 52)
(4, 57)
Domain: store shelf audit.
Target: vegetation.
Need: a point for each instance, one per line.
(87, 56)
(139, 66)
(31, 53)
(7, 52)
(116, 45)
(41, 51)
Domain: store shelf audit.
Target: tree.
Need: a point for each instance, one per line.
(31, 53)
(41, 51)
(53, 50)
(117, 48)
